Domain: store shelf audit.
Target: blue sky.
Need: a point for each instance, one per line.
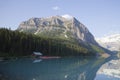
(101, 17)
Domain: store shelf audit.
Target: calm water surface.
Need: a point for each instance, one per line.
(75, 68)
(109, 70)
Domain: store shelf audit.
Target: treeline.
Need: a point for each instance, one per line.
(15, 43)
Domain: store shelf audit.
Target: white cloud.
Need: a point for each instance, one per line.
(55, 8)
(67, 16)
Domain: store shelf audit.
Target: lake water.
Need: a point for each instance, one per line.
(109, 70)
(75, 68)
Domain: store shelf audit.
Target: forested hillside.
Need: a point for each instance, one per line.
(14, 43)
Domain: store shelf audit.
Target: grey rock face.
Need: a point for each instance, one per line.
(58, 26)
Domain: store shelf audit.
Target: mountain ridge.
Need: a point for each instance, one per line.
(111, 42)
(54, 23)
(58, 27)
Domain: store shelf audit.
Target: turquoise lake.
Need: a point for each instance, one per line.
(74, 68)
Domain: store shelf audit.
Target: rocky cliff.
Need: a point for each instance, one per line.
(58, 27)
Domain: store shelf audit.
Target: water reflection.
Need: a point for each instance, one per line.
(109, 71)
(74, 68)
(37, 60)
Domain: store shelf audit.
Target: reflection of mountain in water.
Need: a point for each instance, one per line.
(50, 69)
(109, 71)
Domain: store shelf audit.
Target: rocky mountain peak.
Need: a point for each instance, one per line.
(64, 26)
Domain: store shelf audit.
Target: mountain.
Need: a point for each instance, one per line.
(111, 42)
(58, 26)
(64, 27)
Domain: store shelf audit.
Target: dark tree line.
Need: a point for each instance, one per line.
(15, 43)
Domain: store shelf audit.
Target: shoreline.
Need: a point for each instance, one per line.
(2, 58)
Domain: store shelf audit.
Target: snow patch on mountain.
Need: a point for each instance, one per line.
(66, 36)
(111, 38)
(111, 42)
